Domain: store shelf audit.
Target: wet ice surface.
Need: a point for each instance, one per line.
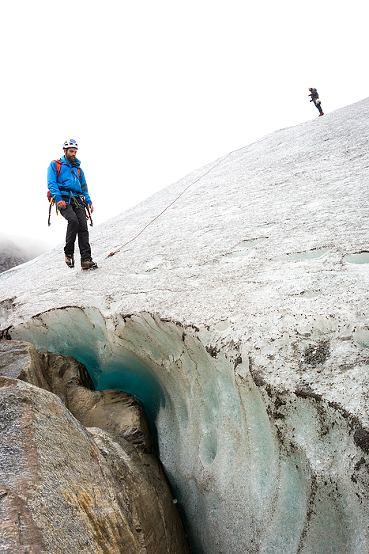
(357, 258)
(264, 264)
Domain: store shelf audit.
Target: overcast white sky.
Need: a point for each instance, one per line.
(153, 90)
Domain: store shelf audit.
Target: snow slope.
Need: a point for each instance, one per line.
(240, 318)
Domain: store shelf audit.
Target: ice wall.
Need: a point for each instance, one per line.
(256, 469)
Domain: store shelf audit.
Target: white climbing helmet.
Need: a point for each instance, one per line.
(71, 143)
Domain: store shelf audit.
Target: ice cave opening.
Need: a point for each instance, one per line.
(134, 377)
(164, 366)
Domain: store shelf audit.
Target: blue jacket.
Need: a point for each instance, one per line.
(68, 180)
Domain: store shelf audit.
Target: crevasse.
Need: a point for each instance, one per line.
(254, 469)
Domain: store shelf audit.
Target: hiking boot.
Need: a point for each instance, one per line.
(321, 113)
(69, 260)
(88, 264)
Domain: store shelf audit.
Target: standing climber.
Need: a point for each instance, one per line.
(67, 185)
(315, 98)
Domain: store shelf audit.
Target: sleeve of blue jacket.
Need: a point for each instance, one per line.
(52, 182)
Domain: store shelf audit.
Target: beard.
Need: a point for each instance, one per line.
(70, 157)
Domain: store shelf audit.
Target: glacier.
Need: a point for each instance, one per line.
(240, 318)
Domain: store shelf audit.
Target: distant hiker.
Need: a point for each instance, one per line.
(315, 98)
(67, 185)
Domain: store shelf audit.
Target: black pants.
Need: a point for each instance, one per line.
(77, 225)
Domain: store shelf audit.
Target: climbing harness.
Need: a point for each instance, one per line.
(81, 204)
(169, 205)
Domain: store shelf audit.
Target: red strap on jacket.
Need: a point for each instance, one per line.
(58, 166)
